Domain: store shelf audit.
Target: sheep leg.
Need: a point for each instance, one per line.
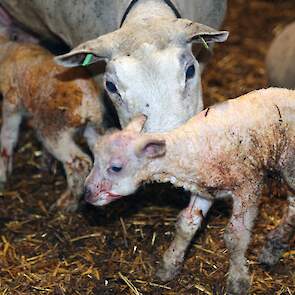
(188, 223)
(237, 238)
(91, 135)
(76, 164)
(11, 119)
(279, 239)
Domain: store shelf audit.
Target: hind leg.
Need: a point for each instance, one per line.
(11, 119)
(76, 165)
(279, 239)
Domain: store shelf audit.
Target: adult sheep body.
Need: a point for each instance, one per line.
(150, 65)
(280, 59)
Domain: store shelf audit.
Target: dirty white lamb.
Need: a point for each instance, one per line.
(59, 102)
(228, 147)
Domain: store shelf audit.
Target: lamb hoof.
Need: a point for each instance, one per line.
(166, 274)
(238, 286)
(67, 203)
(271, 253)
(267, 259)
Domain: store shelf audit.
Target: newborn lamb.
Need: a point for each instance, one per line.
(228, 147)
(59, 102)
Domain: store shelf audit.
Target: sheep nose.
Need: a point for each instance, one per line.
(87, 193)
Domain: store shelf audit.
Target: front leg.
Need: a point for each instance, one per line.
(11, 119)
(76, 164)
(91, 134)
(237, 238)
(188, 223)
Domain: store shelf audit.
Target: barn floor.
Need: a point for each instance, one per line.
(116, 250)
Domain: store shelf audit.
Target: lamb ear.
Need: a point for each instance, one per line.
(195, 32)
(99, 49)
(137, 123)
(150, 147)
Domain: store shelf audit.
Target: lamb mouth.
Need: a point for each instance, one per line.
(112, 196)
(106, 196)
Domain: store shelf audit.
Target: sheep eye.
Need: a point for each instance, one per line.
(116, 169)
(111, 87)
(190, 72)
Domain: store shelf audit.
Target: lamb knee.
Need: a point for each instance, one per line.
(237, 243)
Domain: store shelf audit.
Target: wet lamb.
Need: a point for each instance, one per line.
(228, 147)
(59, 102)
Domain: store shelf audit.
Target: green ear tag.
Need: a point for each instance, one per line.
(204, 43)
(87, 59)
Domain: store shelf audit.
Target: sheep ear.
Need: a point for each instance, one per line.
(210, 37)
(88, 52)
(137, 123)
(150, 147)
(198, 33)
(77, 58)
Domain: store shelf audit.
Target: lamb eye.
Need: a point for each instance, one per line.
(116, 169)
(111, 87)
(190, 72)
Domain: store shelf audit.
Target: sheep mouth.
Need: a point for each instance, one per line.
(102, 198)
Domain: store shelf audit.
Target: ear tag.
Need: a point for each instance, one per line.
(87, 59)
(204, 43)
